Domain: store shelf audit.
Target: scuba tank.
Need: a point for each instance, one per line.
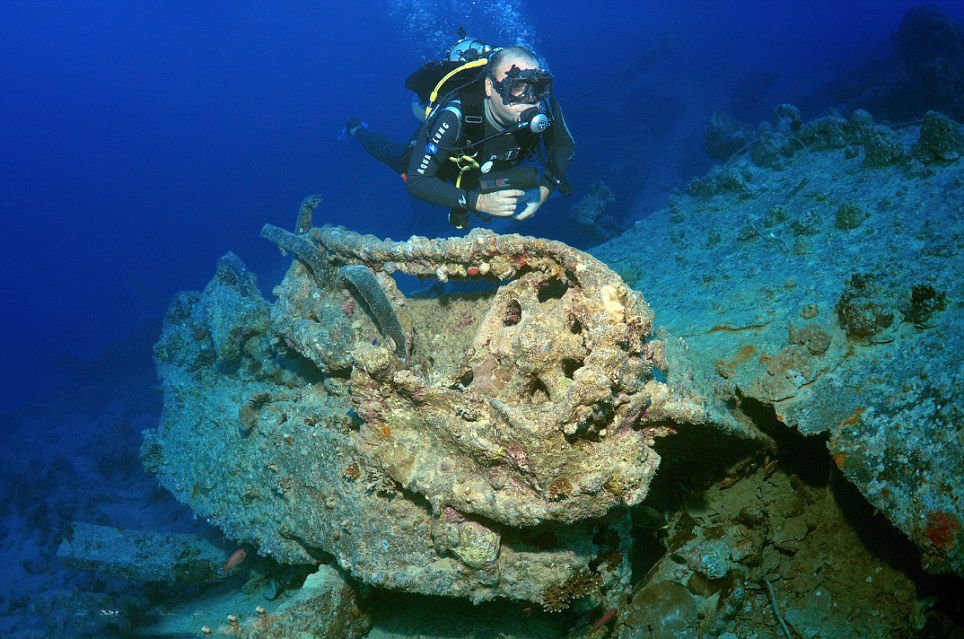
(458, 70)
(468, 49)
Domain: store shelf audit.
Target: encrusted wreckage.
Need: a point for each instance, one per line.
(836, 328)
(471, 444)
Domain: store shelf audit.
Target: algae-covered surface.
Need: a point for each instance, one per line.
(689, 401)
(740, 418)
(773, 448)
(828, 288)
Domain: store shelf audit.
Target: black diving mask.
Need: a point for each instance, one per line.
(527, 86)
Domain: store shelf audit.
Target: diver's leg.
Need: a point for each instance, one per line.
(388, 152)
(382, 149)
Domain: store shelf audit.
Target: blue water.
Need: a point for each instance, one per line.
(141, 141)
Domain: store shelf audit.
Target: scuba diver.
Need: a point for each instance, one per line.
(485, 112)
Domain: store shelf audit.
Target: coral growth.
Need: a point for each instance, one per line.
(925, 300)
(525, 405)
(865, 308)
(941, 139)
(849, 216)
(869, 213)
(558, 597)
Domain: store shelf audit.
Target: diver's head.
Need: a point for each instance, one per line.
(514, 83)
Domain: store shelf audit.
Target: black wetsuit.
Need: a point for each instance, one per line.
(429, 173)
(386, 151)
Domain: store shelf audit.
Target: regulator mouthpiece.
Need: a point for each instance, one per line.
(534, 119)
(539, 123)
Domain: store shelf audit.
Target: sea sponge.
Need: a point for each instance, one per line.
(771, 149)
(825, 134)
(861, 125)
(733, 178)
(940, 139)
(925, 300)
(883, 147)
(807, 224)
(813, 337)
(864, 309)
(849, 216)
(786, 118)
(588, 211)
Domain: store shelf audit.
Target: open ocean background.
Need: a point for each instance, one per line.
(141, 141)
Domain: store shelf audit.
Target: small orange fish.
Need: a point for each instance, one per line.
(236, 558)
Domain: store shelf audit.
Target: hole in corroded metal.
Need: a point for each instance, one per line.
(513, 313)
(466, 379)
(575, 326)
(538, 392)
(552, 290)
(570, 366)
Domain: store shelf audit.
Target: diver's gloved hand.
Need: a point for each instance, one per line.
(459, 218)
(531, 202)
(499, 203)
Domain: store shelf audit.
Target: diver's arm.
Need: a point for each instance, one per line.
(560, 144)
(423, 179)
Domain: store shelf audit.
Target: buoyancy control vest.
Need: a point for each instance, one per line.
(441, 83)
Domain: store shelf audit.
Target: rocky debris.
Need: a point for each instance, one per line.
(941, 139)
(588, 213)
(425, 468)
(849, 216)
(882, 147)
(925, 301)
(931, 45)
(322, 604)
(664, 606)
(724, 137)
(141, 555)
(729, 179)
(786, 119)
(852, 227)
(866, 310)
(771, 549)
(325, 607)
(924, 70)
